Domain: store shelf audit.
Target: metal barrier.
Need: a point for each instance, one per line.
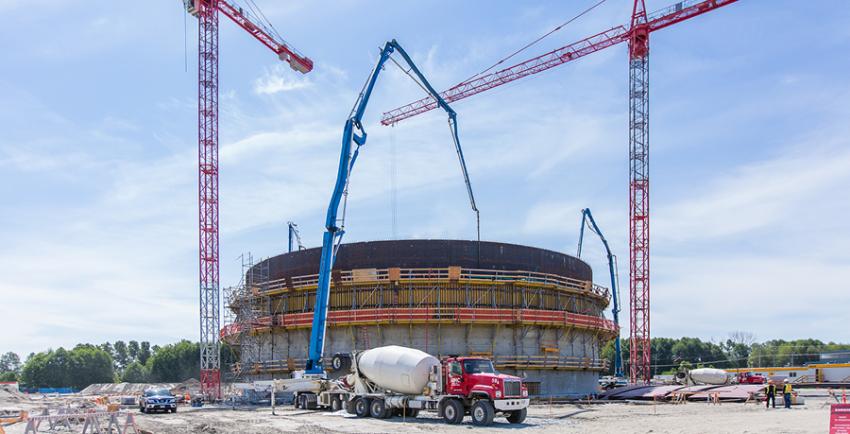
(92, 422)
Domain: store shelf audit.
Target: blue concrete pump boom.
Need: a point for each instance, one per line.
(334, 225)
(585, 217)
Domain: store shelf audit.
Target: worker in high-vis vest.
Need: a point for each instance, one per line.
(786, 393)
(770, 394)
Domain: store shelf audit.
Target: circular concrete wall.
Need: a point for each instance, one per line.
(535, 312)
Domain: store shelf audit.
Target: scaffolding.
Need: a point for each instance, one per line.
(366, 300)
(245, 306)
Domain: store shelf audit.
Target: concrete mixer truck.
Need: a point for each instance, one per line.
(398, 381)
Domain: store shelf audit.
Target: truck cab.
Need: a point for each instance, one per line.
(750, 378)
(474, 380)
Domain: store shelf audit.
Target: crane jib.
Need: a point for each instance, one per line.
(657, 20)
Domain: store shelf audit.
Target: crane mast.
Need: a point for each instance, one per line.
(208, 201)
(636, 33)
(639, 340)
(353, 137)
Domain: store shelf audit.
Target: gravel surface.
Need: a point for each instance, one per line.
(813, 417)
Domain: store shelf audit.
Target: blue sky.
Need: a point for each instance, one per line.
(750, 156)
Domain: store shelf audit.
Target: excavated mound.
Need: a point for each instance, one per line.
(123, 388)
(11, 393)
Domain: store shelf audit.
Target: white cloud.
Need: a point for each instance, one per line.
(280, 79)
(786, 296)
(759, 194)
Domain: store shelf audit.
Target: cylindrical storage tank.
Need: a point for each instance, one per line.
(400, 369)
(709, 376)
(534, 312)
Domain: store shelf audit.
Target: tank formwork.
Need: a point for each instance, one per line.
(534, 312)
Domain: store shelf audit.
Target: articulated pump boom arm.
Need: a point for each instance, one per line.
(356, 134)
(585, 217)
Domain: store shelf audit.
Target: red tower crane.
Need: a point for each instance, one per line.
(207, 13)
(637, 36)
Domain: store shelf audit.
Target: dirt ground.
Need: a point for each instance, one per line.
(813, 417)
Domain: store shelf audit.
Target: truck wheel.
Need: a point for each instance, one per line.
(517, 416)
(349, 406)
(483, 413)
(340, 363)
(378, 409)
(336, 404)
(302, 401)
(453, 411)
(297, 401)
(361, 407)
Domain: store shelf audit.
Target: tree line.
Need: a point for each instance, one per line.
(739, 350)
(140, 362)
(85, 364)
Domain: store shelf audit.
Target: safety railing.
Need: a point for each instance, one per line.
(401, 315)
(424, 274)
(267, 366)
(549, 362)
(499, 361)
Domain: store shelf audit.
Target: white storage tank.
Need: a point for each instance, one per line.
(399, 369)
(709, 376)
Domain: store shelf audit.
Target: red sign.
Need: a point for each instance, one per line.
(839, 419)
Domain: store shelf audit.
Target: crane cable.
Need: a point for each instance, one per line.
(258, 15)
(393, 183)
(527, 46)
(407, 71)
(452, 130)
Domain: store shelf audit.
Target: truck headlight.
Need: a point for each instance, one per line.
(498, 394)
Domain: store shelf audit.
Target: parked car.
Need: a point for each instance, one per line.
(157, 400)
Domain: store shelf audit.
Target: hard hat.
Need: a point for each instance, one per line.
(785, 380)
(770, 381)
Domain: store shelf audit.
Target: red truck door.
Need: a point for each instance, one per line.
(454, 378)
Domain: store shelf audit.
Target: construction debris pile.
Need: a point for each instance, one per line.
(9, 393)
(191, 386)
(123, 388)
